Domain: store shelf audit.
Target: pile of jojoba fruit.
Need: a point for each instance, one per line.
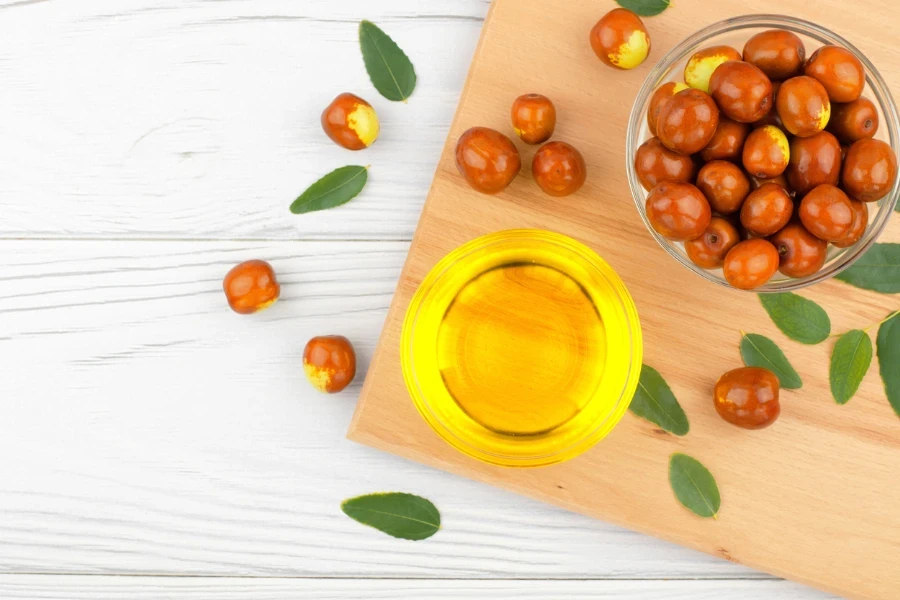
(762, 159)
(489, 160)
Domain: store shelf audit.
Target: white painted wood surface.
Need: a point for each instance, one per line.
(149, 145)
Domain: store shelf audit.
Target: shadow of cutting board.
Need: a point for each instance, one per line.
(816, 497)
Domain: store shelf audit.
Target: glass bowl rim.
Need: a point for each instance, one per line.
(624, 302)
(876, 83)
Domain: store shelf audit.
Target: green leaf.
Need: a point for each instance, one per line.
(397, 514)
(694, 485)
(850, 361)
(759, 351)
(645, 8)
(800, 319)
(655, 402)
(338, 187)
(389, 68)
(877, 270)
(889, 359)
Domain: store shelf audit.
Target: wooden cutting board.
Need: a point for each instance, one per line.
(816, 497)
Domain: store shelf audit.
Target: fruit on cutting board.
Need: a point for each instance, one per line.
(251, 287)
(329, 362)
(487, 159)
(748, 397)
(559, 169)
(533, 118)
(620, 39)
(350, 122)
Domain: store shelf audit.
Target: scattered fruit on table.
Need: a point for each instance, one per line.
(620, 39)
(764, 149)
(703, 63)
(251, 287)
(533, 118)
(329, 362)
(350, 122)
(748, 397)
(487, 159)
(688, 121)
(559, 169)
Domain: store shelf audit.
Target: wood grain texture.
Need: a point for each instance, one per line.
(148, 429)
(194, 119)
(33, 587)
(811, 498)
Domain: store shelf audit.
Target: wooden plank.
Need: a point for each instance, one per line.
(809, 499)
(204, 120)
(32, 587)
(148, 429)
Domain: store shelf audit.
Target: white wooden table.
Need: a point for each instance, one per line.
(156, 445)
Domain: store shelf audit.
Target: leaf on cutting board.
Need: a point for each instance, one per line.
(645, 8)
(655, 402)
(850, 361)
(694, 485)
(877, 270)
(800, 319)
(759, 351)
(889, 359)
(397, 514)
(390, 70)
(338, 187)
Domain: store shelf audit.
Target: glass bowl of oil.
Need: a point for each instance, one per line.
(522, 348)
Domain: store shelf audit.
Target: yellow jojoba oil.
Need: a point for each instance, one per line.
(522, 348)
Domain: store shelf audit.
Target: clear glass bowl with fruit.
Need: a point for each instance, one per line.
(772, 159)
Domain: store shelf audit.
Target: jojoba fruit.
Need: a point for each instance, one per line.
(487, 159)
(700, 66)
(533, 118)
(841, 73)
(814, 160)
(708, 251)
(620, 39)
(678, 211)
(251, 287)
(559, 169)
(350, 122)
(853, 121)
(654, 163)
(724, 185)
(766, 152)
(748, 397)
(827, 213)
(869, 170)
(803, 106)
(727, 142)
(659, 98)
(767, 210)
(329, 362)
(858, 227)
(687, 121)
(742, 91)
(778, 53)
(750, 264)
(800, 253)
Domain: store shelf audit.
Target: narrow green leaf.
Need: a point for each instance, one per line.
(645, 8)
(694, 485)
(800, 319)
(390, 70)
(877, 270)
(889, 359)
(759, 351)
(850, 361)
(396, 514)
(338, 187)
(655, 402)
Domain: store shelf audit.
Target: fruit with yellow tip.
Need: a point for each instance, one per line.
(620, 39)
(766, 152)
(701, 65)
(351, 122)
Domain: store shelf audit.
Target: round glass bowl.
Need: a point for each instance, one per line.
(735, 32)
(522, 348)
